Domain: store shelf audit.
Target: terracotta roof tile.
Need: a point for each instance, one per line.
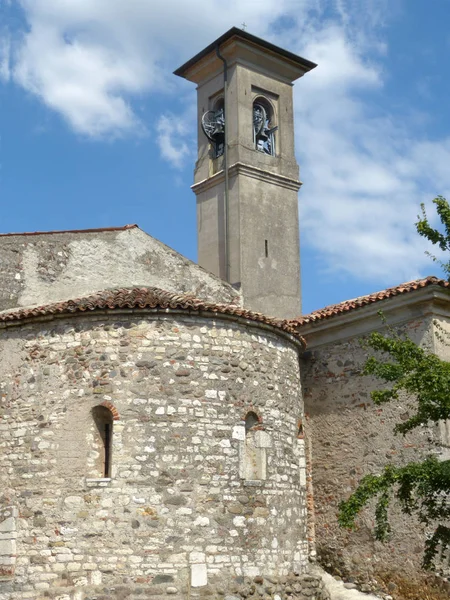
(140, 298)
(122, 228)
(350, 305)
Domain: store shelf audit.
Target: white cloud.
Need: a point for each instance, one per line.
(4, 58)
(364, 174)
(88, 60)
(5, 45)
(171, 130)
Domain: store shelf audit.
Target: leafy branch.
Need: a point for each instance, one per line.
(420, 487)
(436, 237)
(414, 371)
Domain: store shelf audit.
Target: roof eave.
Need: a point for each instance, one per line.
(432, 300)
(92, 230)
(305, 64)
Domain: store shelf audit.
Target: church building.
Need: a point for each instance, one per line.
(174, 430)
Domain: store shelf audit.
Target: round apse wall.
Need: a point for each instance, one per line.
(188, 493)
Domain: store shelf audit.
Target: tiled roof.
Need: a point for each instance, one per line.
(140, 298)
(122, 228)
(350, 305)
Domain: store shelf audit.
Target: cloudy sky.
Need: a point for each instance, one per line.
(96, 131)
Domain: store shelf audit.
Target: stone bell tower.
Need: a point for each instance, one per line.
(246, 176)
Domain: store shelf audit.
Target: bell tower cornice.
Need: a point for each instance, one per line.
(239, 46)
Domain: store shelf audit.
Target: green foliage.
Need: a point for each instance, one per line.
(422, 488)
(413, 370)
(436, 237)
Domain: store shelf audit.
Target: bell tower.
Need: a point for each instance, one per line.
(246, 176)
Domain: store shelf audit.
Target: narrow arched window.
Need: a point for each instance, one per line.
(250, 421)
(103, 420)
(264, 126)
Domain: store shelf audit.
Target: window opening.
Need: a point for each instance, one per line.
(266, 248)
(250, 421)
(107, 466)
(213, 125)
(263, 127)
(103, 419)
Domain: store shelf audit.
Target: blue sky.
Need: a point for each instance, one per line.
(95, 130)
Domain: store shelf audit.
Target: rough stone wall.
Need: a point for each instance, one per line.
(350, 438)
(294, 586)
(39, 269)
(175, 519)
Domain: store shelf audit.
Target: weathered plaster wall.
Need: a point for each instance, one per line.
(350, 438)
(441, 326)
(176, 520)
(38, 269)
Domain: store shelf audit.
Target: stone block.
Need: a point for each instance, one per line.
(238, 433)
(262, 440)
(8, 535)
(8, 525)
(197, 557)
(199, 575)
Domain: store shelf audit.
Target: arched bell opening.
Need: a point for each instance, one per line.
(213, 125)
(264, 126)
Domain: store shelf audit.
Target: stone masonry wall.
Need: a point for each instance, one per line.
(350, 438)
(175, 519)
(43, 268)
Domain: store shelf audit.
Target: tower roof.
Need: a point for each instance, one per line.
(290, 65)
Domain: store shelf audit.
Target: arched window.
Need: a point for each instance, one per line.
(213, 125)
(264, 127)
(250, 421)
(103, 420)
